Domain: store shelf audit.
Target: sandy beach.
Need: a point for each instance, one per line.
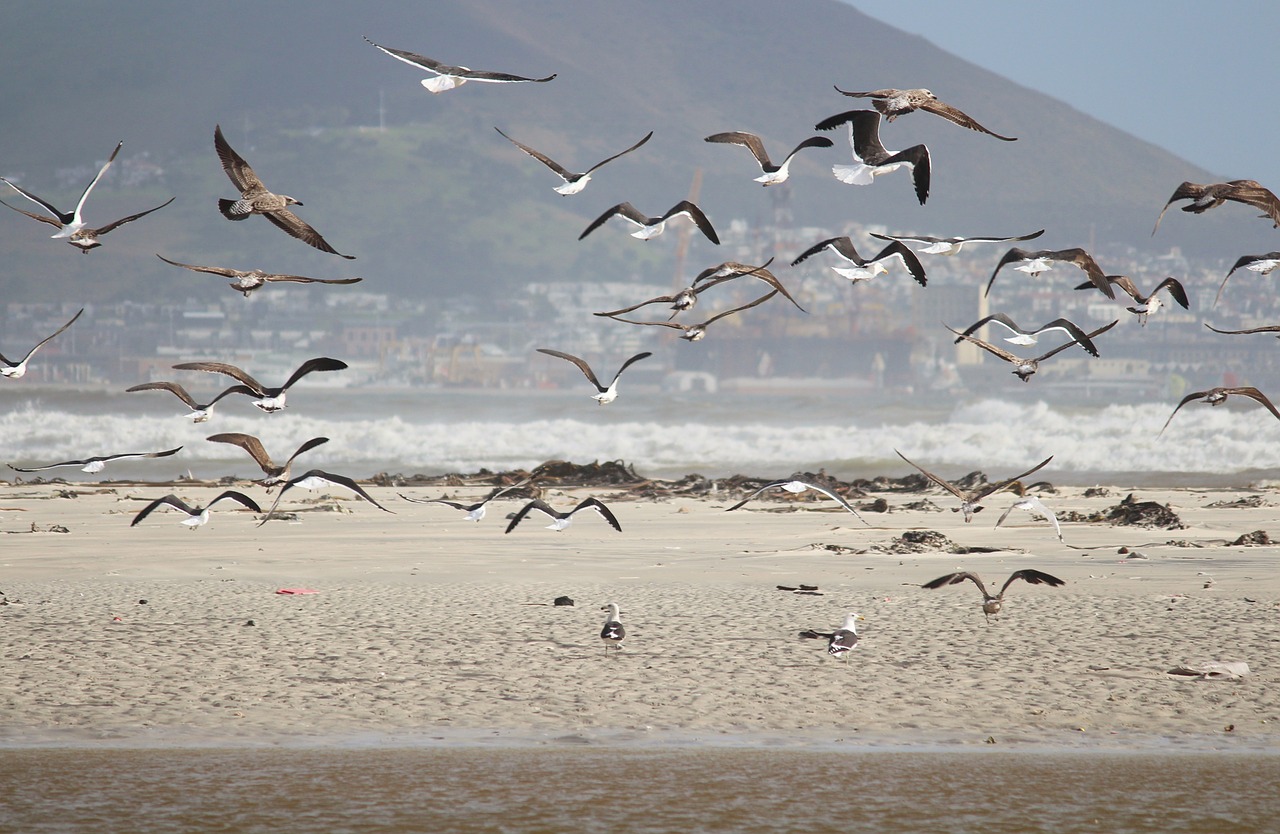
(426, 627)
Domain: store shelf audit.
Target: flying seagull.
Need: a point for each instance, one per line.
(1033, 263)
(573, 183)
(1024, 368)
(970, 500)
(894, 103)
(269, 399)
(16, 370)
(1205, 197)
(1145, 304)
(1217, 396)
(247, 281)
(871, 159)
(97, 464)
(562, 520)
(318, 479)
(952, 245)
(651, 227)
(991, 604)
(448, 77)
(770, 174)
(476, 511)
(196, 516)
(256, 199)
(729, 270)
(68, 223)
(1261, 264)
(1033, 505)
(1023, 336)
(866, 268)
(275, 472)
(605, 394)
(200, 412)
(797, 487)
(697, 332)
(613, 633)
(85, 237)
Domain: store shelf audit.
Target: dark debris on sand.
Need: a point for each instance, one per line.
(927, 541)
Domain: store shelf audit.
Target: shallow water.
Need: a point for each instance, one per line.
(588, 789)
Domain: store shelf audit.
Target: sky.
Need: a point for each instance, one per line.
(1200, 79)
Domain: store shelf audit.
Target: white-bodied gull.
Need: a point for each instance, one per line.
(651, 227)
(449, 77)
(871, 159)
(96, 464)
(795, 488)
(1030, 336)
(697, 332)
(605, 394)
(200, 412)
(1261, 264)
(1035, 262)
(196, 516)
(68, 223)
(319, 479)
(573, 183)
(613, 632)
(269, 400)
(86, 237)
(952, 245)
(562, 520)
(863, 269)
(1145, 305)
(770, 174)
(16, 370)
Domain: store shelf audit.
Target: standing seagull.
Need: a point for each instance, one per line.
(1035, 262)
(256, 199)
(269, 400)
(870, 159)
(770, 174)
(200, 412)
(196, 516)
(991, 604)
(894, 103)
(275, 472)
(449, 77)
(68, 222)
(1146, 304)
(1261, 264)
(247, 281)
(1205, 197)
(1217, 396)
(562, 520)
(1023, 368)
(970, 500)
(866, 268)
(697, 332)
(797, 487)
(952, 245)
(573, 183)
(605, 394)
(651, 227)
(613, 633)
(1022, 336)
(97, 464)
(844, 639)
(86, 238)
(318, 479)
(16, 370)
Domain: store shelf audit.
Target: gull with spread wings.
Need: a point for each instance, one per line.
(605, 393)
(10, 369)
(991, 605)
(246, 281)
(971, 500)
(269, 399)
(697, 332)
(573, 183)
(1025, 368)
(1205, 197)
(448, 77)
(894, 103)
(770, 174)
(871, 159)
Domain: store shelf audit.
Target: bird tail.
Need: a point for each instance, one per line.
(230, 209)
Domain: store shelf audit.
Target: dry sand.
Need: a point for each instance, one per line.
(426, 627)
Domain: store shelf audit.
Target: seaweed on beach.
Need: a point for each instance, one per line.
(927, 541)
(1134, 513)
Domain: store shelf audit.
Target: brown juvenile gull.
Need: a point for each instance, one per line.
(991, 604)
(687, 298)
(697, 332)
(16, 370)
(448, 77)
(97, 464)
(613, 632)
(1261, 264)
(1217, 396)
(651, 227)
(1035, 262)
(269, 399)
(86, 237)
(200, 412)
(951, 245)
(1025, 368)
(1205, 197)
(1148, 304)
(247, 281)
(275, 472)
(770, 174)
(256, 199)
(1024, 336)
(871, 159)
(894, 103)
(562, 520)
(573, 183)
(605, 394)
(970, 500)
(866, 268)
(68, 223)
(795, 488)
(196, 516)
(319, 479)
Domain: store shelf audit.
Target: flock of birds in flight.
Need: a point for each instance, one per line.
(870, 159)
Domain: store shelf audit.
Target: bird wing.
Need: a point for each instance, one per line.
(662, 299)
(338, 480)
(1194, 395)
(917, 156)
(419, 61)
(1185, 191)
(987, 346)
(1073, 330)
(676, 325)
(837, 498)
(172, 387)
(956, 579)
(250, 444)
(48, 466)
(238, 171)
(101, 171)
(991, 489)
(886, 93)
(1176, 290)
(320, 363)
(1088, 336)
(696, 215)
(1257, 396)
(631, 361)
(1085, 261)
(581, 363)
(746, 306)
(58, 332)
(171, 500)
(306, 447)
(562, 172)
(1032, 577)
(606, 161)
(625, 210)
(166, 453)
(32, 214)
(954, 114)
(535, 504)
(755, 272)
(1014, 254)
(1252, 193)
(302, 279)
(303, 231)
(947, 485)
(240, 497)
(1032, 505)
(842, 246)
(740, 504)
(999, 318)
(223, 368)
(598, 506)
(447, 503)
(212, 270)
(909, 259)
(102, 230)
(1270, 328)
(749, 141)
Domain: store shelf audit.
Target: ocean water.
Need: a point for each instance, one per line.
(563, 788)
(663, 435)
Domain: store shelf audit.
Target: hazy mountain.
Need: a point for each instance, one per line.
(439, 203)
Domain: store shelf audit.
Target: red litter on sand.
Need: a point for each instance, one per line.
(296, 591)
